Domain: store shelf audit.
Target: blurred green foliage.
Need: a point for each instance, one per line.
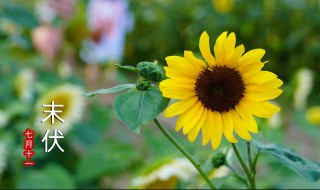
(100, 151)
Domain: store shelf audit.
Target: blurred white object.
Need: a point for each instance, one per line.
(3, 119)
(3, 157)
(108, 21)
(45, 12)
(24, 84)
(65, 70)
(303, 89)
(220, 172)
(275, 121)
(48, 10)
(180, 168)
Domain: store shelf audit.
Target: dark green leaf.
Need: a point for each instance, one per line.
(114, 89)
(126, 67)
(106, 158)
(304, 167)
(139, 107)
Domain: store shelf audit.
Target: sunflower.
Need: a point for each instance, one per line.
(165, 175)
(222, 94)
(70, 96)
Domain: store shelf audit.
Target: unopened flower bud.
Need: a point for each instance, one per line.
(143, 84)
(150, 71)
(218, 160)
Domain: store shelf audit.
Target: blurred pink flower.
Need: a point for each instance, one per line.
(47, 40)
(109, 21)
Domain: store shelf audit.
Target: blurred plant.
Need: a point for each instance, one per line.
(24, 81)
(45, 12)
(108, 21)
(47, 40)
(313, 115)
(220, 172)
(275, 121)
(218, 160)
(304, 79)
(3, 119)
(223, 6)
(3, 158)
(165, 175)
(73, 106)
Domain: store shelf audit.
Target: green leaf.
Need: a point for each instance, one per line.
(137, 108)
(20, 16)
(114, 89)
(126, 67)
(310, 170)
(52, 176)
(106, 158)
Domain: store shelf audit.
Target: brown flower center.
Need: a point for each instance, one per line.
(220, 88)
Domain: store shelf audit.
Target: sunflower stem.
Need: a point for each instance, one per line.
(252, 169)
(185, 153)
(254, 163)
(244, 166)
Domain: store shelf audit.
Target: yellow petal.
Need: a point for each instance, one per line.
(181, 65)
(239, 126)
(275, 83)
(192, 135)
(207, 128)
(187, 116)
(262, 109)
(193, 60)
(259, 78)
(215, 118)
(180, 107)
(195, 118)
(219, 48)
(204, 46)
(247, 117)
(227, 123)
(176, 94)
(169, 83)
(251, 69)
(251, 56)
(237, 53)
(178, 76)
(229, 46)
(258, 93)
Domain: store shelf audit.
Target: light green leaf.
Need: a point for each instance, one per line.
(310, 170)
(126, 67)
(105, 159)
(137, 108)
(114, 89)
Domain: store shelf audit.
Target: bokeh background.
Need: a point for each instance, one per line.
(58, 50)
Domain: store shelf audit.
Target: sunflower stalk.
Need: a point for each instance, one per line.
(244, 166)
(251, 166)
(185, 153)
